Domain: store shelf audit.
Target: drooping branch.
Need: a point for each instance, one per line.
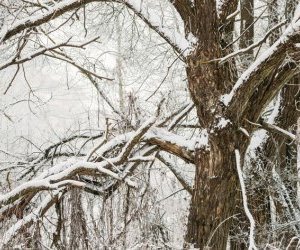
(62, 175)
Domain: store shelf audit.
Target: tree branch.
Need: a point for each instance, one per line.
(238, 99)
(177, 174)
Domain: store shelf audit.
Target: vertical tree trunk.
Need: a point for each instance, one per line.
(273, 20)
(247, 23)
(78, 232)
(215, 194)
(247, 29)
(215, 191)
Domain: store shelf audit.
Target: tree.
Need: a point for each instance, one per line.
(229, 103)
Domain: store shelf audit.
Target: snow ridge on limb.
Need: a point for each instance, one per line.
(237, 100)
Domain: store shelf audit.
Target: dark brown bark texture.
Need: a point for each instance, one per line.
(215, 193)
(215, 190)
(247, 28)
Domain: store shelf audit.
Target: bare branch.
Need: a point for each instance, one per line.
(42, 51)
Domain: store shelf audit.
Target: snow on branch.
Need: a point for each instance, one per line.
(172, 143)
(238, 98)
(167, 141)
(252, 46)
(164, 139)
(31, 218)
(177, 40)
(57, 10)
(245, 202)
(105, 164)
(60, 175)
(110, 185)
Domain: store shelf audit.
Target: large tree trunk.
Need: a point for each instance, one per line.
(214, 197)
(215, 193)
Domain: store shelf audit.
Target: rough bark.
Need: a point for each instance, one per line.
(215, 193)
(247, 29)
(215, 190)
(78, 232)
